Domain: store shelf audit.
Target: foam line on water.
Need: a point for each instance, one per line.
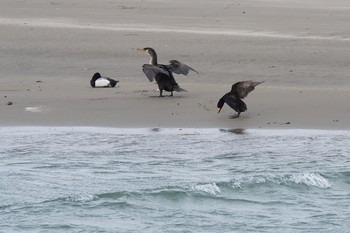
(310, 179)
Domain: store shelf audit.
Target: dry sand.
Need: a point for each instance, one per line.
(50, 50)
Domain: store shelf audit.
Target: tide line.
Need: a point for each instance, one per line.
(143, 28)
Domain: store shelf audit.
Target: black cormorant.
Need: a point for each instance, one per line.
(233, 98)
(163, 74)
(99, 81)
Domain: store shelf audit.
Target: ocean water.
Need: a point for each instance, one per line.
(83, 179)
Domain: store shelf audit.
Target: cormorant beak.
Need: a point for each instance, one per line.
(219, 109)
(142, 50)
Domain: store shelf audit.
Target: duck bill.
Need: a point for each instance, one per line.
(219, 109)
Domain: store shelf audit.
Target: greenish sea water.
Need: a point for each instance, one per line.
(80, 179)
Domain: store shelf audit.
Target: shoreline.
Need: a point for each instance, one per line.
(174, 130)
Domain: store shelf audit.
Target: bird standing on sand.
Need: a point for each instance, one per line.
(163, 74)
(234, 97)
(99, 81)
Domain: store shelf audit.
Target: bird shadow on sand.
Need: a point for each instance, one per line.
(167, 96)
(234, 116)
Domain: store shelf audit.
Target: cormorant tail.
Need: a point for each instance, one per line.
(179, 89)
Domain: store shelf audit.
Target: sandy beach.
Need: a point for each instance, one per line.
(51, 49)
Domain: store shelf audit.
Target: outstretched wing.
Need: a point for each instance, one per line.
(179, 68)
(243, 88)
(151, 71)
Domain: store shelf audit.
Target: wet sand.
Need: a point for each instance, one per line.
(50, 50)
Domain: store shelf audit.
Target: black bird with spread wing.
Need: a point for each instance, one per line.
(163, 74)
(234, 97)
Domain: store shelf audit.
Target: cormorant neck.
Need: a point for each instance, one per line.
(221, 103)
(153, 60)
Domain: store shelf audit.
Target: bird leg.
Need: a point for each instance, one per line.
(160, 93)
(236, 116)
(171, 93)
